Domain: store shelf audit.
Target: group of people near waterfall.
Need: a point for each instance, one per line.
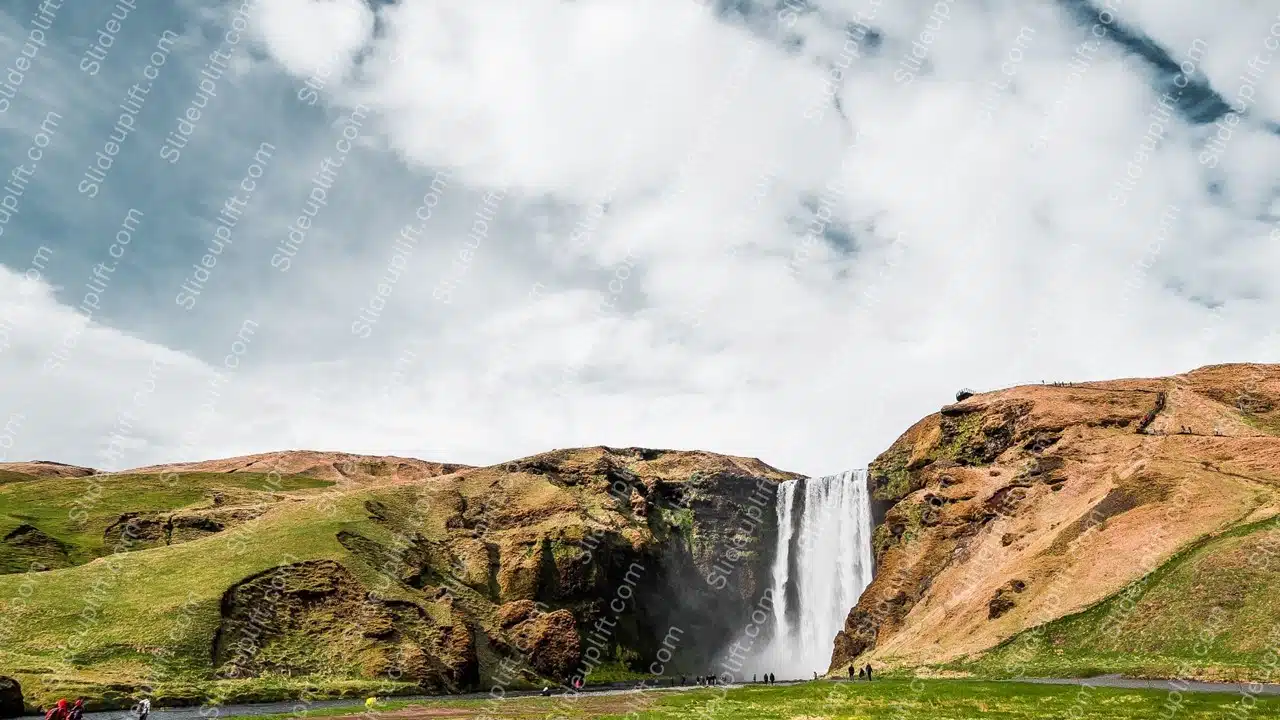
(75, 711)
(714, 680)
(63, 711)
(863, 672)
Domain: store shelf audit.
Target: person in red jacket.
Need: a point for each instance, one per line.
(58, 712)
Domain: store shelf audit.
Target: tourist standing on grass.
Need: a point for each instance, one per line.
(868, 672)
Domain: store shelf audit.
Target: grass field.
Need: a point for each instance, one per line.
(887, 700)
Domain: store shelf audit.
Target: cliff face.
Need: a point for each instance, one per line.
(629, 542)
(1013, 508)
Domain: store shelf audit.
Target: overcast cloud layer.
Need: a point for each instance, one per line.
(780, 230)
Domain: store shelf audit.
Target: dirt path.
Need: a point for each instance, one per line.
(1116, 681)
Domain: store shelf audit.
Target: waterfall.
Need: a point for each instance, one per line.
(825, 566)
(781, 561)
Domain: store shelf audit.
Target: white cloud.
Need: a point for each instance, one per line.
(314, 37)
(694, 314)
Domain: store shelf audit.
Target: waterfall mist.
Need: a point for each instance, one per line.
(822, 564)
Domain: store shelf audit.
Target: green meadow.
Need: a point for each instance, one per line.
(878, 700)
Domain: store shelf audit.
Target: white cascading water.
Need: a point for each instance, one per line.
(786, 500)
(825, 565)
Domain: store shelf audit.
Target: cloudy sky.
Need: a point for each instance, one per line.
(474, 230)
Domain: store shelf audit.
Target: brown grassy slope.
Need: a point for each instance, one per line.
(45, 468)
(345, 469)
(1019, 506)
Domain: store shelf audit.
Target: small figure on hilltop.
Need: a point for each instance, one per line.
(964, 394)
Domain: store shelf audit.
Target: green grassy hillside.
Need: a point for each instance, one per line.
(61, 522)
(1211, 611)
(237, 586)
(147, 617)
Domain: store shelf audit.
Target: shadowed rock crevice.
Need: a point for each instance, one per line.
(1005, 599)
